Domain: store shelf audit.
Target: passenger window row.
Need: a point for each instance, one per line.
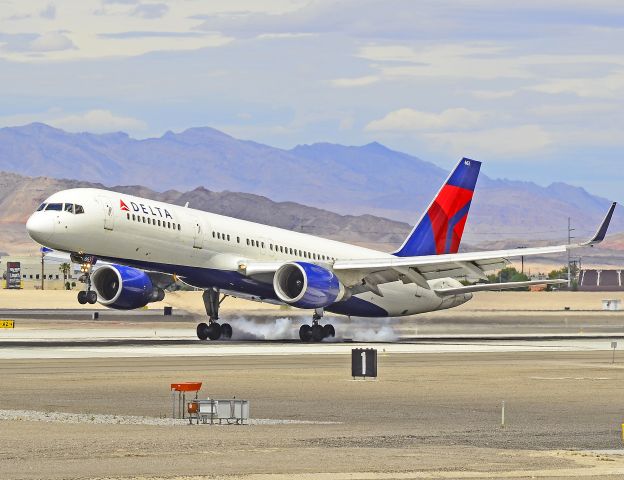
(154, 221)
(255, 243)
(288, 250)
(61, 207)
(220, 236)
(300, 253)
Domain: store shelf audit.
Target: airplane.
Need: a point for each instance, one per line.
(145, 247)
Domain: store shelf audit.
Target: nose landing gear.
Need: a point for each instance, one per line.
(88, 296)
(213, 330)
(316, 332)
(86, 263)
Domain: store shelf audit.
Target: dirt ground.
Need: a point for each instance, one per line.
(427, 416)
(192, 301)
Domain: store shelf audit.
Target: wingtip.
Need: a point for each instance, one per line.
(601, 233)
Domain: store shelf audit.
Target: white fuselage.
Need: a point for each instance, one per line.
(208, 250)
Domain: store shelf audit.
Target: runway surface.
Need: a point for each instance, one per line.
(86, 398)
(139, 335)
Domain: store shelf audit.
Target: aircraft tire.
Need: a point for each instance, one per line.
(317, 333)
(214, 331)
(226, 331)
(305, 333)
(82, 297)
(329, 331)
(202, 331)
(92, 297)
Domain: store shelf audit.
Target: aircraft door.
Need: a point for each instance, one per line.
(198, 234)
(109, 213)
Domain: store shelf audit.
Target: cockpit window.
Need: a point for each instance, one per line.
(42, 206)
(78, 209)
(54, 206)
(69, 207)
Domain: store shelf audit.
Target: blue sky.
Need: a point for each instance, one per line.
(535, 89)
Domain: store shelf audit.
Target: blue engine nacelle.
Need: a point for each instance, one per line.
(306, 285)
(124, 288)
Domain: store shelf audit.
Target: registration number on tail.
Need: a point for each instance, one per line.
(7, 324)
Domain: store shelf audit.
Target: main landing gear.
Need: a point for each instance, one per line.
(213, 329)
(316, 332)
(88, 295)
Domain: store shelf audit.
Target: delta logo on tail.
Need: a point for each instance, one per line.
(441, 227)
(123, 206)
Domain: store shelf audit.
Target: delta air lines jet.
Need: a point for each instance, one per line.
(144, 247)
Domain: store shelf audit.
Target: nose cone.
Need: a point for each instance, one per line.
(40, 227)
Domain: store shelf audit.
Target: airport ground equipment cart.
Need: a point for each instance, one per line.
(178, 396)
(231, 411)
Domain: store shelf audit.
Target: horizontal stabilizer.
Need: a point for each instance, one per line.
(482, 287)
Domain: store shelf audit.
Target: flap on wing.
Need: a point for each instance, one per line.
(481, 287)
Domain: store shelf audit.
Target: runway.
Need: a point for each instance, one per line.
(101, 387)
(67, 334)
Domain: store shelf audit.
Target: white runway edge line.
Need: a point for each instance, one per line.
(246, 349)
(100, 419)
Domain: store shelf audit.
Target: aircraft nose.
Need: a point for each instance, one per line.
(40, 227)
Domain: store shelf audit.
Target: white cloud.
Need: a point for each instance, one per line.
(355, 81)
(51, 42)
(98, 121)
(97, 28)
(495, 142)
(609, 86)
(583, 137)
(408, 119)
(480, 60)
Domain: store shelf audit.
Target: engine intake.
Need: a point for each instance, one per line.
(306, 285)
(124, 288)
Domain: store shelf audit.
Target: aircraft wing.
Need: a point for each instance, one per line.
(366, 274)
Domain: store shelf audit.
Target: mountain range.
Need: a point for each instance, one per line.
(369, 179)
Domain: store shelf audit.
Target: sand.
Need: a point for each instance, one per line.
(192, 301)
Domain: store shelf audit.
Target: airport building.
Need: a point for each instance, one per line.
(594, 280)
(28, 272)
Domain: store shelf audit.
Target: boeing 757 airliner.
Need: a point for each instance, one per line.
(144, 247)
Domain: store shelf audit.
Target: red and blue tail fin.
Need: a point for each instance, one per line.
(440, 229)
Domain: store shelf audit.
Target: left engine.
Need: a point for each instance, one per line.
(306, 285)
(124, 288)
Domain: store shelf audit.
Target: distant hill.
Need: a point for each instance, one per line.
(369, 179)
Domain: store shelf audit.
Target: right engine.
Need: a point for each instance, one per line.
(306, 285)
(124, 288)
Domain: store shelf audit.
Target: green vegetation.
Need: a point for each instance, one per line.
(509, 274)
(65, 269)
